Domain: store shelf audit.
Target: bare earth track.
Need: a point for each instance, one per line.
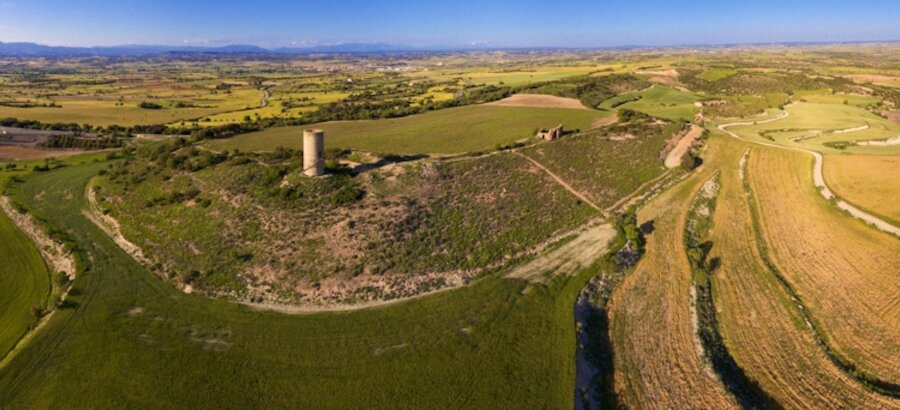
(539, 101)
(673, 160)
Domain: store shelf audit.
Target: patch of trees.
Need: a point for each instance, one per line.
(628, 227)
(175, 197)
(74, 141)
(753, 83)
(180, 155)
(628, 115)
(591, 91)
(113, 129)
(595, 90)
(37, 125)
(147, 105)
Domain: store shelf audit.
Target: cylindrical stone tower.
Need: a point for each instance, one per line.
(314, 152)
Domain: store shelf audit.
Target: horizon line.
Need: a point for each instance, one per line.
(389, 46)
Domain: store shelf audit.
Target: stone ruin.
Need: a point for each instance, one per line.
(551, 134)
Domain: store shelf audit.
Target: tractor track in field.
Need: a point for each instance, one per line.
(818, 175)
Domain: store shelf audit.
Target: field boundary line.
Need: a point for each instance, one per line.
(561, 181)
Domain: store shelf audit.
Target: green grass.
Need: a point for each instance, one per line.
(474, 213)
(603, 169)
(24, 280)
(658, 101)
(106, 112)
(473, 347)
(24, 277)
(826, 97)
(453, 130)
(808, 117)
(717, 73)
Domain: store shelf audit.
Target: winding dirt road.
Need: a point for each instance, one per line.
(818, 176)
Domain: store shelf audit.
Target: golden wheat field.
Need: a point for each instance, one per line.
(840, 267)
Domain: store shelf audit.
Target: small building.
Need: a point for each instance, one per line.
(551, 134)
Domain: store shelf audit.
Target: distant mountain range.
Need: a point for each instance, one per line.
(23, 49)
(40, 50)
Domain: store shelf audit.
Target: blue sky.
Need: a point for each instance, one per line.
(506, 23)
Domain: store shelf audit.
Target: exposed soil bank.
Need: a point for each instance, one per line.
(711, 344)
(673, 160)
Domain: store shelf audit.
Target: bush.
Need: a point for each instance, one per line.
(149, 105)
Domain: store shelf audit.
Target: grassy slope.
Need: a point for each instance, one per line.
(603, 169)
(24, 280)
(827, 117)
(475, 347)
(452, 130)
(659, 101)
(526, 208)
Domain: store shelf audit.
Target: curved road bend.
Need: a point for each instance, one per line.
(818, 175)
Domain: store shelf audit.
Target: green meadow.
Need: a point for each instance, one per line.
(24, 280)
(659, 101)
(813, 126)
(453, 130)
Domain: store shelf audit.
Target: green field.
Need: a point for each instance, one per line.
(808, 118)
(106, 112)
(477, 346)
(24, 280)
(659, 101)
(717, 73)
(826, 97)
(522, 76)
(453, 130)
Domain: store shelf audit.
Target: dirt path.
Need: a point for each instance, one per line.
(561, 182)
(265, 100)
(853, 129)
(673, 160)
(539, 101)
(579, 252)
(818, 176)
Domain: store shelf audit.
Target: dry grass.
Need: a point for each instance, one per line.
(656, 356)
(886, 80)
(869, 182)
(844, 271)
(765, 332)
